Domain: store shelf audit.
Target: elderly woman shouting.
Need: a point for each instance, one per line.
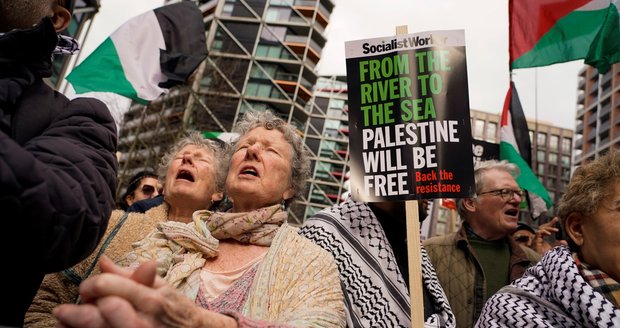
(193, 179)
(580, 286)
(244, 267)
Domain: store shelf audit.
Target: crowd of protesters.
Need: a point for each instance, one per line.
(205, 242)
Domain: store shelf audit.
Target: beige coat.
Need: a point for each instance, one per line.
(461, 276)
(59, 288)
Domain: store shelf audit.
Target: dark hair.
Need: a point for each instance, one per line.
(525, 226)
(134, 182)
(68, 4)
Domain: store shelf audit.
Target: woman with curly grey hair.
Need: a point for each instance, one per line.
(244, 267)
(577, 286)
(192, 173)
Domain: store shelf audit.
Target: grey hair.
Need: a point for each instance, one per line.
(479, 170)
(300, 166)
(590, 185)
(195, 138)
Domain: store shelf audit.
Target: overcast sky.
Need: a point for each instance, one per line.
(548, 93)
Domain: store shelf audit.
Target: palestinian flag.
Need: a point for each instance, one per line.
(227, 137)
(545, 32)
(514, 138)
(147, 55)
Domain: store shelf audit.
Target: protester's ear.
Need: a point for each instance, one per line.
(574, 228)
(129, 200)
(288, 194)
(61, 18)
(469, 205)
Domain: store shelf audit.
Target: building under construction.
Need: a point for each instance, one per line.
(262, 55)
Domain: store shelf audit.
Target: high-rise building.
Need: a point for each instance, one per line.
(597, 128)
(327, 137)
(83, 14)
(262, 55)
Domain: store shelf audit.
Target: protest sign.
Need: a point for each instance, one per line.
(410, 133)
(484, 151)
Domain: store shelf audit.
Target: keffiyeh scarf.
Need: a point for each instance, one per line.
(376, 294)
(552, 293)
(181, 249)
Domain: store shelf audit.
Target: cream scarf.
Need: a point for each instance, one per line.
(181, 249)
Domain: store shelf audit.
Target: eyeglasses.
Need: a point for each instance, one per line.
(148, 190)
(505, 194)
(522, 238)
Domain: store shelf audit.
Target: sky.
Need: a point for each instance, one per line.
(547, 93)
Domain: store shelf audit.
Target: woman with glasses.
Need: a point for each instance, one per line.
(143, 185)
(193, 177)
(578, 285)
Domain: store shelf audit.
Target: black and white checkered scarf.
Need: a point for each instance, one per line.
(375, 292)
(551, 294)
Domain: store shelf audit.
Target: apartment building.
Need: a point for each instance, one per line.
(597, 128)
(262, 56)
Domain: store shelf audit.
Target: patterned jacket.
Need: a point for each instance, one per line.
(376, 294)
(461, 276)
(62, 287)
(551, 294)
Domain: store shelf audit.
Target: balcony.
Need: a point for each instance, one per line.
(604, 127)
(592, 119)
(580, 98)
(334, 197)
(299, 44)
(605, 109)
(579, 143)
(308, 8)
(291, 86)
(342, 152)
(592, 135)
(579, 127)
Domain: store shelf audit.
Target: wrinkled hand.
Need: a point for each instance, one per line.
(545, 229)
(120, 298)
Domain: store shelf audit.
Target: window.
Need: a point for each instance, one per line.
(553, 142)
(565, 160)
(278, 14)
(553, 158)
(479, 129)
(566, 145)
(550, 183)
(540, 169)
(553, 169)
(491, 131)
(540, 156)
(541, 139)
(336, 103)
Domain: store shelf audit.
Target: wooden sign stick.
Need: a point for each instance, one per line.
(413, 250)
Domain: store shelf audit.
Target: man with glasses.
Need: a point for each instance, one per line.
(476, 261)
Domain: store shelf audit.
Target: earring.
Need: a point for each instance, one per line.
(283, 205)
